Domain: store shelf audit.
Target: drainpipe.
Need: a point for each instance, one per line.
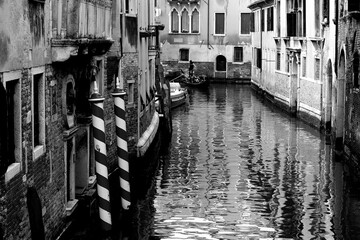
(208, 24)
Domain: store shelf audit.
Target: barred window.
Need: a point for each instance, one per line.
(238, 54)
(184, 54)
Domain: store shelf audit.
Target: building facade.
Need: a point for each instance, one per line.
(294, 56)
(347, 81)
(215, 35)
(56, 54)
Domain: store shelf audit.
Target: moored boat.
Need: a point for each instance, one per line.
(177, 94)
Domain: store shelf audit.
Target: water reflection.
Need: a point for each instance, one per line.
(239, 169)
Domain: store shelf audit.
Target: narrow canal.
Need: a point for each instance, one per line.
(238, 168)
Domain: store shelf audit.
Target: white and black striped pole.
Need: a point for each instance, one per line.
(122, 147)
(101, 159)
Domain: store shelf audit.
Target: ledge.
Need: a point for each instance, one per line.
(63, 49)
(12, 171)
(71, 206)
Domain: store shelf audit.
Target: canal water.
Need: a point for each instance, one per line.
(238, 168)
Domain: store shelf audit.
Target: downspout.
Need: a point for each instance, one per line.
(208, 24)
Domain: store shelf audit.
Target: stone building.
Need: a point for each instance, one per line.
(139, 62)
(346, 87)
(294, 58)
(215, 35)
(53, 53)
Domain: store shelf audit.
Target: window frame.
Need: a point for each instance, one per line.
(219, 34)
(40, 149)
(240, 22)
(15, 167)
(188, 21)
(241, 59)
(191, 21)
(171, 30)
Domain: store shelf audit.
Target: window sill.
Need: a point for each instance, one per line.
(182, 61)
(71, 206)
(12, 171)
(174, 33)
(238, 63)
(219, 35)
(38, 151)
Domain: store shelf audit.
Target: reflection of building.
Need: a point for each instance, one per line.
(293, 55)
(213, 34)
(52, 54)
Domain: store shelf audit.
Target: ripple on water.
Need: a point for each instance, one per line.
(238, 169)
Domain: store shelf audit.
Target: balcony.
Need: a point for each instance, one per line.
(80, 27)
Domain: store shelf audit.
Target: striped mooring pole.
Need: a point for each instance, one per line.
(122, 147)
(101, 159)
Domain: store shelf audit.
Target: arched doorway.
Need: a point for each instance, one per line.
(329, 96)
(220, 67)
(340, 106)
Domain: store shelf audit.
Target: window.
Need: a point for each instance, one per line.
(245, 23)
(356, 71)
(296, 18)
(326, 9)
(220, 63)
(195, 23)
(287, 62)
(262, 20)
(184, 55)
(353, 5)
(13, 123)
(270, 19)
(38, 110)
(220, 23)
(185, 21)
(278, 8)
(317, 69)
(278, 60)
(238, 54)
(174, 21)
(317, 18)
(257, 55)
(304, 67)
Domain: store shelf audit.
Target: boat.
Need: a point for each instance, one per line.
(177, 94)
(201, 81)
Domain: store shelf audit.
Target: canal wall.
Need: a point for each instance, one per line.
(236, 72)
(284, 105)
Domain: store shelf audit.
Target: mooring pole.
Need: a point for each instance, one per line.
(122, 147)
(101, 166)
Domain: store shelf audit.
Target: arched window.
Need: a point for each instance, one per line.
(174, 21)
(356, 71)
(220, 63)
(195, 21)
(185, 21)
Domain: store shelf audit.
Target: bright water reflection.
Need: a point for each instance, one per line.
(239, 169)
